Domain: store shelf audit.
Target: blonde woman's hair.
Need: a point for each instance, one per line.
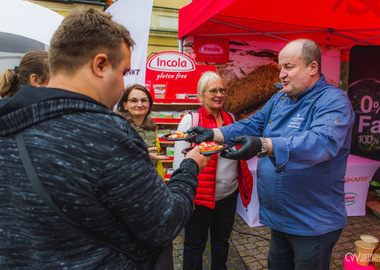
(205, 78)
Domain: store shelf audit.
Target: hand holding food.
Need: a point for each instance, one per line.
(211, 146)
(200, 159)
(208, 148)
(251, 146)
(203, 134)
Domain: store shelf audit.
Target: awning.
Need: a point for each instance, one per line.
(341, 23)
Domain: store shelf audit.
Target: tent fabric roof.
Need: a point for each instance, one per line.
(341, 23)
(28, 20)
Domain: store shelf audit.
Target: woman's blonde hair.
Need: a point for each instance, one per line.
(205, 78)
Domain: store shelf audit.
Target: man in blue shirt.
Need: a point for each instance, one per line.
(302, 136)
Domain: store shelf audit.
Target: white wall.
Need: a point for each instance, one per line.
(9, 60)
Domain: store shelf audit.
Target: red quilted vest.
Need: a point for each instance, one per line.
(205, 195)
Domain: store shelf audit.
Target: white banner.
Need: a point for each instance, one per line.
(358, 175)
(135, 16)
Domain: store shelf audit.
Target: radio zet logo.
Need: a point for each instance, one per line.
(171, 62)
(213, 49)
(350, 198)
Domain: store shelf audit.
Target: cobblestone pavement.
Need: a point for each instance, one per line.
(249, 246)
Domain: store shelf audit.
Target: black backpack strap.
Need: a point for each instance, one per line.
(45, 196)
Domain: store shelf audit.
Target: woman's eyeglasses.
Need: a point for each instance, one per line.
(214, 91)
(135, 100)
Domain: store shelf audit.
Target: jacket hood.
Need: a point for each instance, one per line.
(32, 105)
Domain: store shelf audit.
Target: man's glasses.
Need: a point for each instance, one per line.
(135, 100)
(214, 91)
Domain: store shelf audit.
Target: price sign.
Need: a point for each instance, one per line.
(364, 93)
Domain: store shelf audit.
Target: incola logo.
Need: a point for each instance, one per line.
(350, 198)
(171, 62)
(211, 49)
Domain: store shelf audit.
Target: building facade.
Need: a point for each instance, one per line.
(163, 34)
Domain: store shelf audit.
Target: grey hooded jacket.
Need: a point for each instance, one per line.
(98, 172)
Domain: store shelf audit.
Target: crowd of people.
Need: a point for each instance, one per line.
(302, 137)
(82, 185)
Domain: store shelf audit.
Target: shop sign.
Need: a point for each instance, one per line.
(171, 62)
(173, 77)
(211, 50)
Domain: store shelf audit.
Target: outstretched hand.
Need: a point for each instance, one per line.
(251, 146)
(203, 134)
(200, 159)
(156, 156)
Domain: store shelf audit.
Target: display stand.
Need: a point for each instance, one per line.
(172, 78)
(171, 124)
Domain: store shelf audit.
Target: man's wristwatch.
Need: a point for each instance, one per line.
(264, 148)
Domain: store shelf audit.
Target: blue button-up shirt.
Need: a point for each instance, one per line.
(301, 189)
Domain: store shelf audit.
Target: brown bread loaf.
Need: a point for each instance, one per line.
(245, 95)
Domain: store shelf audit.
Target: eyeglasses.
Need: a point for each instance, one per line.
(214, 91)
(135, 100)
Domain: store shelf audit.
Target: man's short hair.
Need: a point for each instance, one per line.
(82, 35)
(310, 52)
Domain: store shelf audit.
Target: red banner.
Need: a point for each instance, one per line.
(211, 50)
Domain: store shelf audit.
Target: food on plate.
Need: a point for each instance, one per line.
(177, 135)
(208, 147)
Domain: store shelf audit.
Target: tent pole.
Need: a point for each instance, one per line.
(360, 41)
(180, 45)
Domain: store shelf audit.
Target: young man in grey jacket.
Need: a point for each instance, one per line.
(91, 161)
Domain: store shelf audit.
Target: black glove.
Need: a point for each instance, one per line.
(203, 134)
(251, 146)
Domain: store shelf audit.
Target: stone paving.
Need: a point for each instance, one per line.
(249, 246)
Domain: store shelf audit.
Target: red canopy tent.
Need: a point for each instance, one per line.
(341, 23)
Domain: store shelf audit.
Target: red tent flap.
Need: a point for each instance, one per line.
(341, 23)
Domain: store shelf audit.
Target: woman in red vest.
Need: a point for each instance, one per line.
(218, 185)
